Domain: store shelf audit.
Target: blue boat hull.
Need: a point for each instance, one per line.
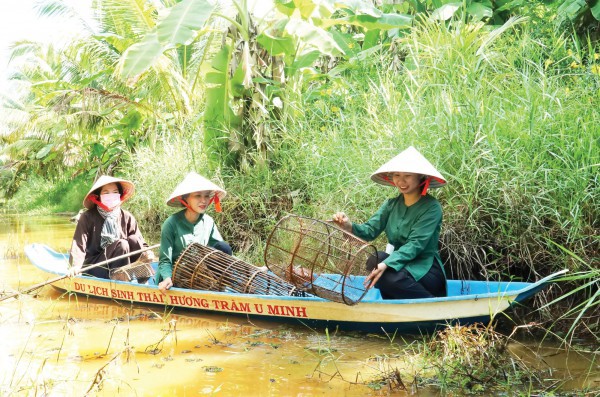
(467, 301)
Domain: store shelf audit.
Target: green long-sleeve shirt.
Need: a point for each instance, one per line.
(177, 233)
(413, 231)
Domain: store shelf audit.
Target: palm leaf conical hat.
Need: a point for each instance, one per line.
(128, 189)
(193, 182)
(409, 160)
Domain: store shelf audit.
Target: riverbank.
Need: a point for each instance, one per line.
(66, 344)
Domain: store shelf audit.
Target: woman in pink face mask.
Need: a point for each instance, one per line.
(106, 230)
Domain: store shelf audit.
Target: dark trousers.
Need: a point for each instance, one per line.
(118, 248)
(402, 285)
(223, 247)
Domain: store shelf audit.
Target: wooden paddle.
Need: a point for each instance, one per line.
(84, 269)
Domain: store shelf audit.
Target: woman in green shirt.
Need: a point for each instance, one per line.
(411, 222)
(190, 225)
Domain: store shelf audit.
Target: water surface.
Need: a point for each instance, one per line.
(57, 344)
(61, 344)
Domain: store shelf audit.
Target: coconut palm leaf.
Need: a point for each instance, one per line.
(59, 8)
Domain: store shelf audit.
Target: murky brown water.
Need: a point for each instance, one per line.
(64, 345)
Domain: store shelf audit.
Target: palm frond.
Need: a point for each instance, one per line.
(130, 18)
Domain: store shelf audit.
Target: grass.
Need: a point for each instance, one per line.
(41, 195)
(508, 114)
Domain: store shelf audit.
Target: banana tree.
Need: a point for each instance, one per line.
(248, 78)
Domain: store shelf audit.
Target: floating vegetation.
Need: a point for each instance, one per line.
(321, 349)
(100, 377)
(212, 368)
(391, 381)
(156, 348)
(475, 358)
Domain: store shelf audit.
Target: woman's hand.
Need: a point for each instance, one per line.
(164, 285)
(342, 221)
(375, 275)
(74, 270)
(147, 257)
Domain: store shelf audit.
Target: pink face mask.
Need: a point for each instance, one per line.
(110, 200)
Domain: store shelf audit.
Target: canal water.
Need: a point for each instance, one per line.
(57, 344)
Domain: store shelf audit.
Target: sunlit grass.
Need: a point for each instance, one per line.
(509, 116)
(584, 313)
(501, 112)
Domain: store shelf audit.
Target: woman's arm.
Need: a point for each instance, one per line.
(165, 259)
(132, 229)
(371, 229)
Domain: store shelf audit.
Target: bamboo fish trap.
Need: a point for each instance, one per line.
(319, 258)
(140, 271)
(205, 268)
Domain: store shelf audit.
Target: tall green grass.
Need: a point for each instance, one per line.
(517, 142)
(508, 114)
(44, 195)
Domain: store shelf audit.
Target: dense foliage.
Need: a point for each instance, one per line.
(293, 109)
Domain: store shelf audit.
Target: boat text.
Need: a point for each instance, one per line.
(223, 305)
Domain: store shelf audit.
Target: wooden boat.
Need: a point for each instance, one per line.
(467, 301)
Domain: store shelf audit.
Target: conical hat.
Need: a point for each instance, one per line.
(193, 183)
(409, 160)
(128, 189)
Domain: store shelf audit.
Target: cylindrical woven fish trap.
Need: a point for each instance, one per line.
(320, 258)
(141, 271)
(205, 268)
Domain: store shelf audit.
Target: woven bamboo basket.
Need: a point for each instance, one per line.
(140, 271)
(319, 258)
(205, 268)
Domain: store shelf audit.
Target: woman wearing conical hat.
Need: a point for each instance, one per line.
(411, 222)
(106, 230)
(190, 225)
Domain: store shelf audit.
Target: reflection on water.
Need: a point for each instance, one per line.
(65, 344)
(61, 344)
(571, 368)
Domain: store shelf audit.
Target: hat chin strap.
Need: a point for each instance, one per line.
(427, 181)
(425, 186)
(217, 202)
(215, 199)
(186, 205)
